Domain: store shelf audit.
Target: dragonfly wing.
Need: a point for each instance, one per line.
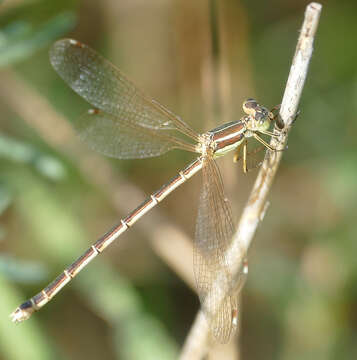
(214, 231)
(124, 140)
(106, 88)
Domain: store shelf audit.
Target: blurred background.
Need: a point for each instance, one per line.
(201, 59)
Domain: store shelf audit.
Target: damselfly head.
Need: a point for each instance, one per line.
(259, 116)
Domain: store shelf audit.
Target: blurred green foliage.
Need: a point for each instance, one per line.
(301, 294)
(20, 39)
(25, 29)
(43, 162)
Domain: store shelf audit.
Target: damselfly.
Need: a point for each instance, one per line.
(127, 124)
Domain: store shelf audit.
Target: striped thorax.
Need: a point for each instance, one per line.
(229, 136)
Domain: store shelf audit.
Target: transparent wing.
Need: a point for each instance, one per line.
(106, 88)
(214, 231)
(104, 133)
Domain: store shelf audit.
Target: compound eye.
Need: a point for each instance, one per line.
(249, 106)
(261, 115)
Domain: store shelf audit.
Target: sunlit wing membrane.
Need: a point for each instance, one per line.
(106, 87)
(117, 138)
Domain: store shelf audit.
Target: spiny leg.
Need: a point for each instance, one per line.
(236, 156)
(245, 154)
(275, 108)
(276, 117)
(269, 133)
(262, 141)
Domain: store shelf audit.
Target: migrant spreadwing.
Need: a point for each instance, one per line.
(127, 124)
